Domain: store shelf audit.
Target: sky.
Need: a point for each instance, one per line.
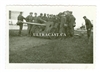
(78, 11)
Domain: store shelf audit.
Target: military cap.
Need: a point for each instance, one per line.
(50, 14)
(41, 13)
(21, 12)
(35, 13)
(31, 12)
(47, 14)
(44, 13)
(67, 11)
(84, 16)
(70, 12)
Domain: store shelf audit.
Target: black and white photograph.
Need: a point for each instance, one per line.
(51, 34)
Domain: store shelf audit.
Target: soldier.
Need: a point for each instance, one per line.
(88, 25)
(56, 22)
(48, 16)
(41, 15)
(40, 19)
(29, 18)
(53, 18)
(50, 19)
(70, 21)
(35, 18)
(20, 18)
(67, 15)
(62, 22)
(45, 17)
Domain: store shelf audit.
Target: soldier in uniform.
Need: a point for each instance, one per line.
(40, 19)
(48, 17)
(29, 18)
(62, 22)
(45, 17)
(51, 18)
(70, 21)
(72, 24)
(20, 18)
(88, 26)
(35, 18)
(57, 22)
(67, 15)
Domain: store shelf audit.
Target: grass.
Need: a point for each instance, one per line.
(70, 50)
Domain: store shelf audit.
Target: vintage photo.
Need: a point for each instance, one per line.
(51, 34)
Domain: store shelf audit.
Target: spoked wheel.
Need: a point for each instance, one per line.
(53, 33)
(35, 29)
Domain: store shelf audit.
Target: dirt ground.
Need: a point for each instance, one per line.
(40, 50)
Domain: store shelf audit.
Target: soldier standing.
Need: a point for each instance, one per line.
(62, 22)
(51, 19)
(29, 18)
(72, 24)
(45, 17)
(70, 21)
(20, 18)
(56, 22)
(35, 18)
(34, 26)
(67, 15)
(40, 19)
(48, 16)
(88, 26)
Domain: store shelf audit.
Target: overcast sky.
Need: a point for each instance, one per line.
(78, 11)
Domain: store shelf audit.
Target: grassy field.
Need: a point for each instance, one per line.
(39, 50)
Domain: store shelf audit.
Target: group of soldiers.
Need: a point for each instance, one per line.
(29, 18)
(65, 21)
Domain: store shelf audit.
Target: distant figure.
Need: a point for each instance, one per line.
(29, 18)
(20, 18)
(82, 27)
(88, 26)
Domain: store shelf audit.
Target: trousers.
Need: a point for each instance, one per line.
(20, 28)
(70, 31)
(29, 29)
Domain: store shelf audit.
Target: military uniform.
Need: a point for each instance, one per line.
(71, 24)
(35, 19)
(48, 16)
(45, 17)
(40, 20)
(34, 26)
(57, 23)
(63, 21)
(29, 18)
(62, 28)
(20, 18)
(88, 26)
(70, 21)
